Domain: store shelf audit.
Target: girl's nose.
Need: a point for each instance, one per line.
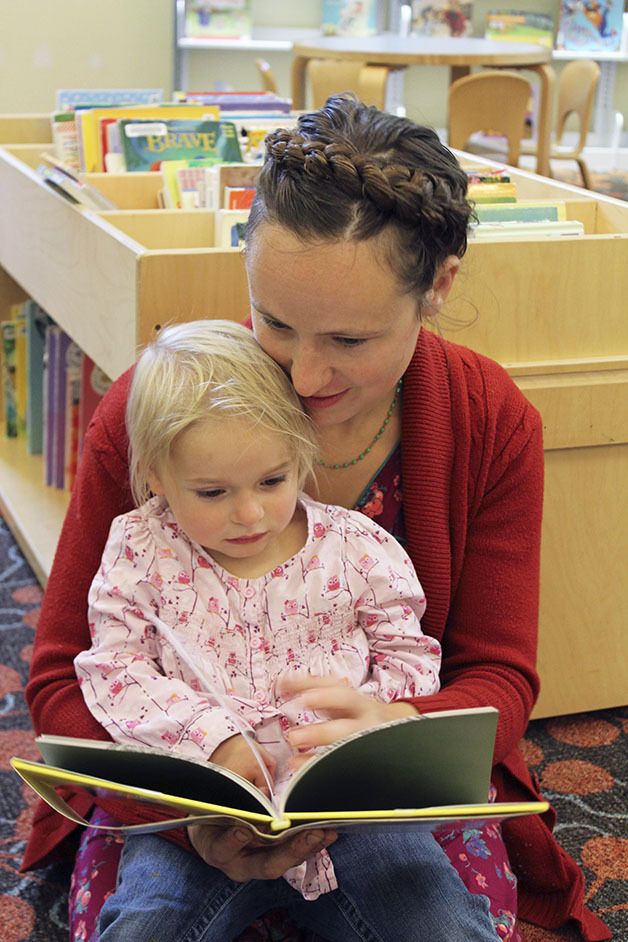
(248, 511)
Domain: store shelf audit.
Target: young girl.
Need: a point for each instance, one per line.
(257, 583)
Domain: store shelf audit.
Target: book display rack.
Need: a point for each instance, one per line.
(551, 311)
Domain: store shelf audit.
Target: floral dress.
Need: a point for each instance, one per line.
(478, 853)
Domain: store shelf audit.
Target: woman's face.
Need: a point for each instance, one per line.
(333, 315)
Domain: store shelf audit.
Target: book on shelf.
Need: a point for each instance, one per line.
(73, 373)
(519, 231)
(57, 343)
(18, 315)
(68, 99)
(72, 188)
(239, 197)
(37, 322)
(94, 384)
(230, 227)
(7, 352)
(590, 25)
(522, 211)
(348, 18)
(520, 26)
(246, 102)
(145, 144)
(423, 770)
(442, 17)
(218, 19)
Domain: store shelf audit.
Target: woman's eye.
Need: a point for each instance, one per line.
(350, 341)
(272, 323)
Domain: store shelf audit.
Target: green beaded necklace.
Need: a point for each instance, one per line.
(363, 454)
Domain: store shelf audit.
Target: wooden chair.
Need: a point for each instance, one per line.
(495, 101)
(269, 83)
(576, 92)
(329, 76)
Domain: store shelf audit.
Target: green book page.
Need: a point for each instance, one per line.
(442, 759)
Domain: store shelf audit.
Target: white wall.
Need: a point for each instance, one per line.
(49, 44)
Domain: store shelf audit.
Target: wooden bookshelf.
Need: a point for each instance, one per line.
(553, 312)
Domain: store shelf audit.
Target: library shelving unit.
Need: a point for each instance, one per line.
(552, 312)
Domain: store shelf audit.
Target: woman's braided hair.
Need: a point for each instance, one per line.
(350, 171)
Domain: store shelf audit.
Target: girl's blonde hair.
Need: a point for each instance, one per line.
(202, 368)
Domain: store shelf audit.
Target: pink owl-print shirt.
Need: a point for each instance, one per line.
(348, 604)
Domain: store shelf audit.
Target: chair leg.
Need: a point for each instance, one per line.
(584, 172)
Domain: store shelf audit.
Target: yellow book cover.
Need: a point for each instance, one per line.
(88, 125)
(420, 771)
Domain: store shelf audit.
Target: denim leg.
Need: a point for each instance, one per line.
(166, 894)
(395, 884)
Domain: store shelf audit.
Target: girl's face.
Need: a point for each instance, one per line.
(232, 487)
(333, 315)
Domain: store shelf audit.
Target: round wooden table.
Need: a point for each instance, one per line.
(459, 53)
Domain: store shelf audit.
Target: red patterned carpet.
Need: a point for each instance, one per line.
(580, 762)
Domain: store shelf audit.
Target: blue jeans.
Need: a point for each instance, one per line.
(393, 886)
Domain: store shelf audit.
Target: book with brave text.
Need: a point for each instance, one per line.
(424, 770)
(145, 144)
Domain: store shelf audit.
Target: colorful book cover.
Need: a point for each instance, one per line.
(73, 358)
(145, 144)
(245, 102)
(7, 330)
(65, 142)
(218, 19)
(19, 318)
(94, 385)
(520, 26)
(37, 322)
(67, 99)
(350, 18)
(590, 25)
(442, 17)
(239, 197)
(57, 342)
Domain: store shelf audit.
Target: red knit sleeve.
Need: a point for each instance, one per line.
(100, 493)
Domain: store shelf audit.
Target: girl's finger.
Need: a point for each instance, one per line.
(322, 734)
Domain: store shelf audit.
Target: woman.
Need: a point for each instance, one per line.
(354, 241)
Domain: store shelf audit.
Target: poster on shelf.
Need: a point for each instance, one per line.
(590, 25)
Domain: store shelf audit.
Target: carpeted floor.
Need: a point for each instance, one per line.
(580, 761)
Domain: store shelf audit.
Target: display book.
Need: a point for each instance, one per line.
(590, 25)
(425, 770)
(347, 18)
(520, 26)
(442, 17)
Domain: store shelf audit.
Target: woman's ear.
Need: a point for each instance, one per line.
(443, 282)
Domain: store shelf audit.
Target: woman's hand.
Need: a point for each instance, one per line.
(236, 755)
(241, 857)
(348, 710)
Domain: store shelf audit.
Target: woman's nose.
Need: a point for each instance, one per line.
(310, 373)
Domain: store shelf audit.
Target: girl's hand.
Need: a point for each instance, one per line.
(235, 754)
(348, 710)
(241, 857)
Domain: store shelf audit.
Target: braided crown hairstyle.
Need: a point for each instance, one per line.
(350, 171)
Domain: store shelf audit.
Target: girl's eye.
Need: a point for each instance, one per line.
(210, 494)
(275, 481)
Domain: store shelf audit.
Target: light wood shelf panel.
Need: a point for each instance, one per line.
(552, 312)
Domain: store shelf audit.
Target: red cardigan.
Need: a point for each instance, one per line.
(472, 459)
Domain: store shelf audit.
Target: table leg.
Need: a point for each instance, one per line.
(299, 64)
(547, 77)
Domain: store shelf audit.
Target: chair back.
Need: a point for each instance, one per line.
(576, 92)
(330, 76)
(495, 101)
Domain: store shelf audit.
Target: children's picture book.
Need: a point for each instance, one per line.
(351, 17)
(524, 230)
(230, 227)
(18, 315)
(145, 144)
(520, 26)
(442, 17)
(7, 350)
(218, 19)
(424, 770)
(522, 211)
(67, 99)
(73, 358)
(590, 25)
(67, 184)
(243, 102)
(56, 347)
(94, 385)
(37, 322)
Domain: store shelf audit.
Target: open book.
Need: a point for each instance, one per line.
(428, 769)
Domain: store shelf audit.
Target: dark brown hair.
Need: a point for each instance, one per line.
(350, 171)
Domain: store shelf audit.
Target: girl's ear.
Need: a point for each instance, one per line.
(443, 281)
(154, 482)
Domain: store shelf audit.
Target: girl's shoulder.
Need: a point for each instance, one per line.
(327, 520)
